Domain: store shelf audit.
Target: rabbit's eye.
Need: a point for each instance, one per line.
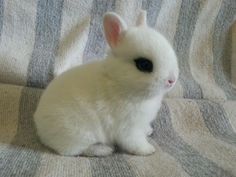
(144, 64)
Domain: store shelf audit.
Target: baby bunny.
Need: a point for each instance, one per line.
(92, 108)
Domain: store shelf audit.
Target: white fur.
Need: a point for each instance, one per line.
(90, 108)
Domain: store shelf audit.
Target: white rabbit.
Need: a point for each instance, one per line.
(90, 108)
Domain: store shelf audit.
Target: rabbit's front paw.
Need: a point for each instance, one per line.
(144, 149)
(149, 131)
(137, 146)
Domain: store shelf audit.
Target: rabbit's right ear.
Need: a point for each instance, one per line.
(114, 25)
(142, 18)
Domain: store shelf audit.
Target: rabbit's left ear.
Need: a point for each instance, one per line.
(142, 18)
(114, 25)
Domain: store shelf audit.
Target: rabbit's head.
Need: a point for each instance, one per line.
(141, 60)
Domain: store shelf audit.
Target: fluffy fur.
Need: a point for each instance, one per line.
(90, 108)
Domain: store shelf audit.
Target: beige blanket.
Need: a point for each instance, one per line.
(195, 130)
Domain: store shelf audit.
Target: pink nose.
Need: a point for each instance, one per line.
(170, 81)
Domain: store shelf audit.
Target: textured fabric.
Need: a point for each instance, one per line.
(40, 39)
(192, 138)
(195, 130)
(233, 70)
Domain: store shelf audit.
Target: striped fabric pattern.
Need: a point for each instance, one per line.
(195, 130)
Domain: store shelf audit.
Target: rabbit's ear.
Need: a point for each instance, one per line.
(142, 18)
(114, 25)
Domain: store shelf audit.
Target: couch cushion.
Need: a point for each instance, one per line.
(191, 137)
